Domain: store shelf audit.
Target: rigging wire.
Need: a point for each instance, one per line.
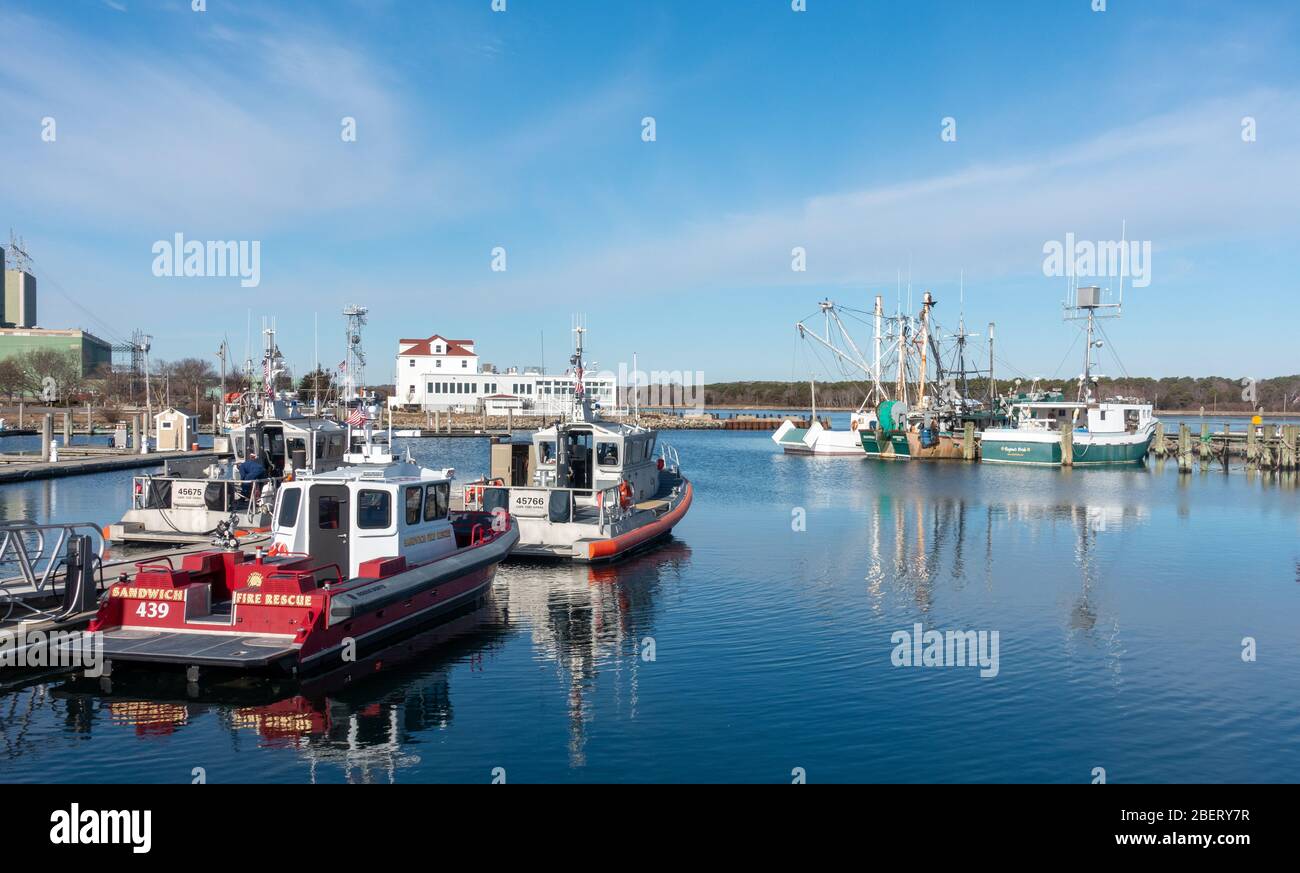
(47, 278)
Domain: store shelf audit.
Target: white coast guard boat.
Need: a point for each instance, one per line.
(585, 489)
(186, 502)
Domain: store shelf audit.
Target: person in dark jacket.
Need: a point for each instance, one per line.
(250, 470)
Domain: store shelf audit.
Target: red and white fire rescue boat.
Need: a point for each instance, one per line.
(359, 554)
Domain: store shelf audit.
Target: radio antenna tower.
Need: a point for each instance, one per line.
(354, 376)
(18, 249)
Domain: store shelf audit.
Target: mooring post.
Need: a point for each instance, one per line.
(1067, 447)
(1252, 446)
(1227, 445)
(1184, 448)
(1205, 446)
(47, 435)
(135, 432)
(1160, 439)
(67, 429)
(437, 420)
(510, 421)
(968, 442)
(1288, 447)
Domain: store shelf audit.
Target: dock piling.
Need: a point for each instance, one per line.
(968, 442)
(1160, 439)
(47, 435)
(1067, 447)
(1184, 449)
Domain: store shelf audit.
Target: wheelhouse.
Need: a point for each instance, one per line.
(591, 457)
(347, 518)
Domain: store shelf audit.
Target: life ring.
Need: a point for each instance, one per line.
(277, 549)
(624, 493)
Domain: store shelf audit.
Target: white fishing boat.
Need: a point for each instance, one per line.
(585, 488)
(1053, 432)
(816, 439)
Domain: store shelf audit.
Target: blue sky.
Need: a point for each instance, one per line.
(774, 129)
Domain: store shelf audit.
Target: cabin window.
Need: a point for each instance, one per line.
(374, 509)
(436, 498)
(328, 512)
(546, 452)
(1103, 415)
(607, 454)
(429, 387)
(290, 498)
(413, 504)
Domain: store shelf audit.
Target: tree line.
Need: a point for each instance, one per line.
(194, 384)
(1280, 394)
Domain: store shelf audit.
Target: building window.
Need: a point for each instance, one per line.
(437, 350)
(437, 363)
(464, 364)
(411, 363)
(429, 388)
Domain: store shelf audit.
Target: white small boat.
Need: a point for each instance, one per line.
(585, 489)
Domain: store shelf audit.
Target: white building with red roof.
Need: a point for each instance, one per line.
(439, 373)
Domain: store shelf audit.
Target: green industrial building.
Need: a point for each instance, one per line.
(95, 355)
(20, 335)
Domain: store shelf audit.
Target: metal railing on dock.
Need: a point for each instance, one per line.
(32, 556)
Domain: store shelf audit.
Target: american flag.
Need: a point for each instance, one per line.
(356, 417)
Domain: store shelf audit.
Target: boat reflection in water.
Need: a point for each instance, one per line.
(921, 550)
(593, 619)
(362, 721)
(358, 719)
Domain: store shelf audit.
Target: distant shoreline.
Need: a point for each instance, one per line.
(1191, 412)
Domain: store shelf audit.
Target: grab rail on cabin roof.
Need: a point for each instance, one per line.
(38, 558)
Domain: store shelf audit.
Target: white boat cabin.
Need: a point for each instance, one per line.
(286, 441)
(592, 456)
(366, 510)
(1100, 418)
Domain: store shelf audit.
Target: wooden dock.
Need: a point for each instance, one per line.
(79, 461)
(1265, 447)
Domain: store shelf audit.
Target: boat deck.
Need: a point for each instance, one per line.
(196, 649)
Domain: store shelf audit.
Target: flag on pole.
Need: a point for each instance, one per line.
(356, 418)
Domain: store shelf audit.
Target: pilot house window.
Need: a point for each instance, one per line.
(435, 501)
(413, 504)
(374, 509)
(289, 500)
(607, 454)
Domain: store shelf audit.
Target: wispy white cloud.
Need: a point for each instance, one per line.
(1181, 179)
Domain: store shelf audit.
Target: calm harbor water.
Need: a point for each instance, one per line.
(758, 641)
